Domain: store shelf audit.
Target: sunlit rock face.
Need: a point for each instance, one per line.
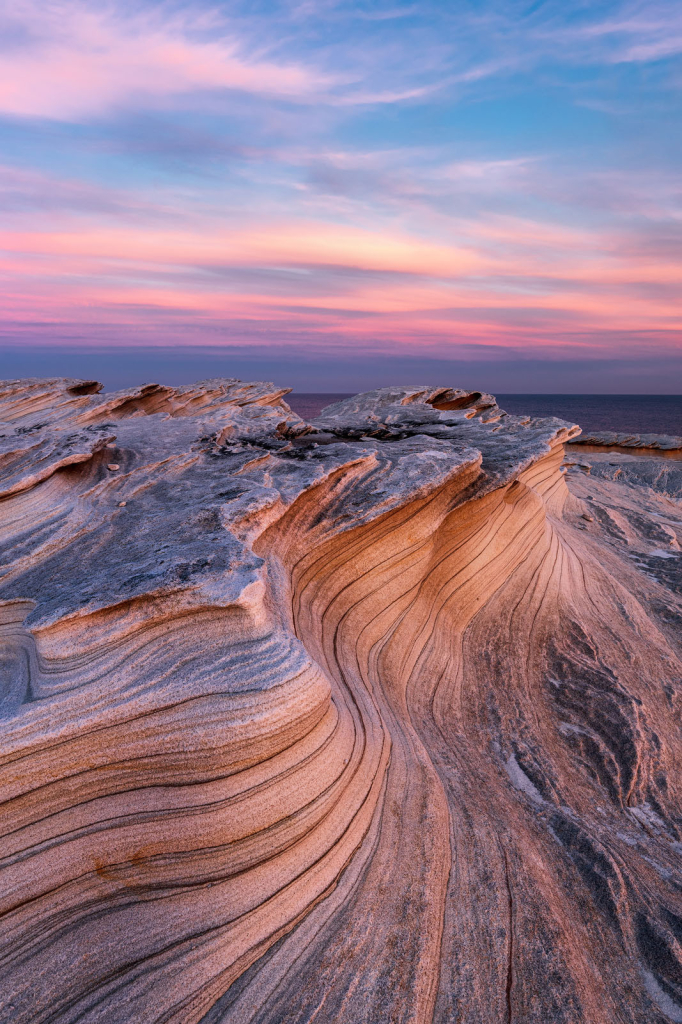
(374, 719)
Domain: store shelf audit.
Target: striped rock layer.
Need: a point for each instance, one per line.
(374, 719)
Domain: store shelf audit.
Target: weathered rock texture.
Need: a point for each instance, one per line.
(374, 720)
(662, 442)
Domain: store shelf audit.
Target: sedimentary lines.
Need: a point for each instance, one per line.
(364, 720)
(387, 611)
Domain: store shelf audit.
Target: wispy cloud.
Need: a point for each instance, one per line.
(75, 60)
(632, 33)
(393, 177)
(87, 60)
(504, 273)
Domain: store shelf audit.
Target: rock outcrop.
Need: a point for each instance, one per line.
(373, 719)
(661, 442)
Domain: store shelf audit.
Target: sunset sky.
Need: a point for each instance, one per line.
(339, 195)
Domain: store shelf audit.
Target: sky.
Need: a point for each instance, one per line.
(339, 194)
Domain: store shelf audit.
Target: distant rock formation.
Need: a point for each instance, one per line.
(372, 720)
(663, 442)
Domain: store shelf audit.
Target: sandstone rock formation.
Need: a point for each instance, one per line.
(662, 442)
(374, 719)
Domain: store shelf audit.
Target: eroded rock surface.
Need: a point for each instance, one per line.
(374, 719)
(662, 442)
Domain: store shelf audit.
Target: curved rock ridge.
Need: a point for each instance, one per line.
(373, 719)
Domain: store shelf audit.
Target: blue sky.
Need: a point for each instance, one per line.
(344, 193)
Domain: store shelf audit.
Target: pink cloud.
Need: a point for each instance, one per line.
(495, 280)
(89, 61)
(283, 243)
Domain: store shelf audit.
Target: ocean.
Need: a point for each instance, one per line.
(656, 414)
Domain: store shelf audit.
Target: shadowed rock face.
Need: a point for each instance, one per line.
(374, 719)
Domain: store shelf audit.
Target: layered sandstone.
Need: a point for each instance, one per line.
(374, 719)
(607, 438)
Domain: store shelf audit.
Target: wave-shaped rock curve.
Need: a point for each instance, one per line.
(368, 719)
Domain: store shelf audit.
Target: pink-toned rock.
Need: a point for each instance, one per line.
(352, 721)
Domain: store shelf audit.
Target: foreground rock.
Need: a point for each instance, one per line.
(373, 719)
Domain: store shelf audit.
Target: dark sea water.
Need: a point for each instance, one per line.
(656, 414)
